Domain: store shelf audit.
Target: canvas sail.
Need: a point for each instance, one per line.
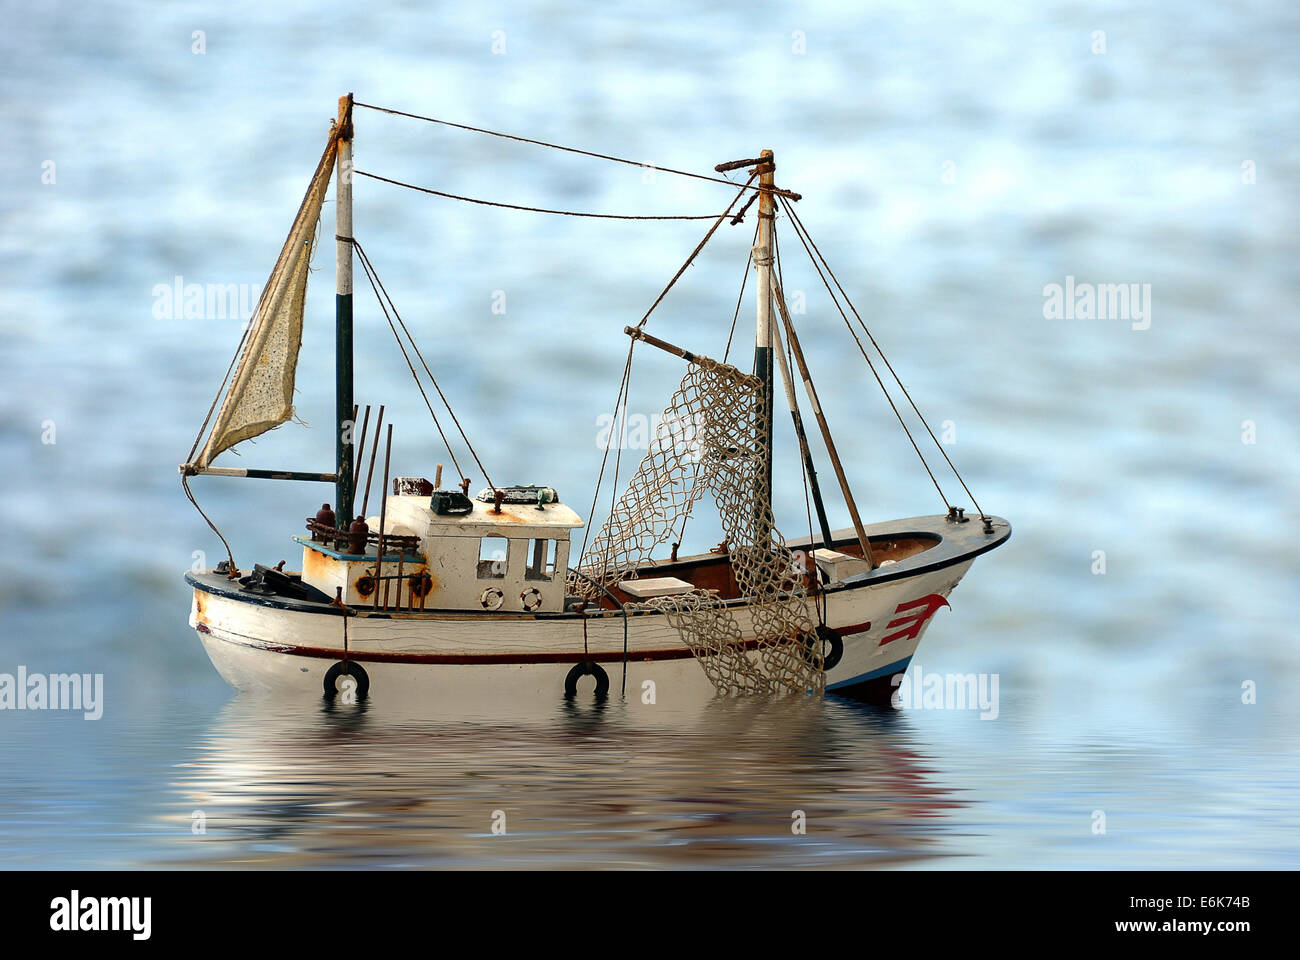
(260, 396)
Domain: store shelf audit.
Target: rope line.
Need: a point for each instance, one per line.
(366, 270)
(818, 595)
(953, 467)
(553, 146)
(749, 262)
(185, 484)
(625, 383)
(901, 422)
(378, 285)
(619, 402)
(515, 206)
(695, 253)
(420, 356)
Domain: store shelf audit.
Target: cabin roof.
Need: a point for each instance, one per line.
(515, 519)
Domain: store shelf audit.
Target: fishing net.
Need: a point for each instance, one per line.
(713, 438)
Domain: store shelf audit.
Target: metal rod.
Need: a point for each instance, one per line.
(191, 469)
(401, 553)
(637, 333)
(365, 425)
(383, 512)
(344, 488)
(737, 164)
(792, 401)
(821, 422)
(374, 452)
(762, 254)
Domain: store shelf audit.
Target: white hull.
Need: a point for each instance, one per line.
(467, 659)
(470, 658)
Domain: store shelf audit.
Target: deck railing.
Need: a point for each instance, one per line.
(377, 587)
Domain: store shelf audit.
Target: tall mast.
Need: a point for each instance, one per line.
(763, 333)
(343, 428)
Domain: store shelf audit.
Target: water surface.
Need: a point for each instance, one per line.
(955, 161)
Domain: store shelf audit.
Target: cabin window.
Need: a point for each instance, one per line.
(492, 558)
(541, 560)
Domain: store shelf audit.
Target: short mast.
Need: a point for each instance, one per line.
(763, 333)
(343, 411)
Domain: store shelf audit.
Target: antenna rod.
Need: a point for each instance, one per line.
(374, 452)
(344, 418)
(383, 519)
(762, 254)
(361, 445)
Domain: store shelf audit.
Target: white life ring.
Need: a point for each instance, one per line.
(531, 599)
(492, 598)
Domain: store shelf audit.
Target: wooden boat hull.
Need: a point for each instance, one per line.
(466, 660)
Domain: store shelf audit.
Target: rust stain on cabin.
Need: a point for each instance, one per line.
(317, 566)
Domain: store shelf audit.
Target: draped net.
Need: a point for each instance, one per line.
(714, 439)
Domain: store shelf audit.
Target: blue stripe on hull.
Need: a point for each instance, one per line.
(898, 666)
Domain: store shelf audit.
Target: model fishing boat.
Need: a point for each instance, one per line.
(460, 597)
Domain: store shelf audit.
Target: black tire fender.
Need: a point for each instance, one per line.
(588, 668)
(346, 668)
(832, 642)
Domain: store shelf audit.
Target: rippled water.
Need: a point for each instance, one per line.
(250, 783)
(1120, 693)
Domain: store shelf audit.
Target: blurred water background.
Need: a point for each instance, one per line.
(955, 159)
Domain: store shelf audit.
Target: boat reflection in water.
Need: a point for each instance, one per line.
(587, 785)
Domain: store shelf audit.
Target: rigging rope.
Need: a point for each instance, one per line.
(749, 262)
(871, 365)
(377, 285)
(794, 217)
(619, 402)
(556, 146)
(185, 480)
(696, 252)
(818, 594)
(419, 386)
(514, 206)
(621, 399)
(185, 484)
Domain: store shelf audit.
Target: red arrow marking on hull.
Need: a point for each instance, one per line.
(914, 622)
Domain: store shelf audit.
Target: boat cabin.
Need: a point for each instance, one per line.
(472, 554)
